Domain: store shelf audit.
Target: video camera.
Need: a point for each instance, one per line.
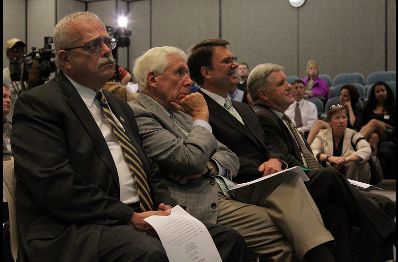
(36, 66)
(122, 36)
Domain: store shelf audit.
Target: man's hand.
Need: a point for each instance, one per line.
(194, 105)
(269, 167)
(137, 219)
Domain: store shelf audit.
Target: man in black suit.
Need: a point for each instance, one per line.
(213, 67)
(80, 194)
(273, 95)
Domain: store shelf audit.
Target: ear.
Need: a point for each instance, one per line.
(63, 59)
(151, 79)
(205, 72)
(263, 96)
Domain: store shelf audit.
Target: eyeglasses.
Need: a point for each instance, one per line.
(229, 60)
(94, 46)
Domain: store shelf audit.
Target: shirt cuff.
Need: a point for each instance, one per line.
(203, 123)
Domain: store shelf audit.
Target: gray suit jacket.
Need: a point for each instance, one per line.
(182, 158)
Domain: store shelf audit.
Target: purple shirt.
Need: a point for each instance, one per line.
(319, 89)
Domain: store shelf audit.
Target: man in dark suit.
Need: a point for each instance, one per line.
(271, 101)
(84, 185)
(213, 67)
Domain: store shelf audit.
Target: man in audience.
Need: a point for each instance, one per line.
(211, 65)
(272, 94)
(302, 112)
(197, 169)
(6, 121)
(243, 73)
(84, 185)
(236, 94)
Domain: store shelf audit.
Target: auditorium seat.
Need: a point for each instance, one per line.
(327, 78)
(291, 79)
(318, 103)
(385, 76)
(348, 78)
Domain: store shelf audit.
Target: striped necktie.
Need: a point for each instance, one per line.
(312, 163)
(130, 155)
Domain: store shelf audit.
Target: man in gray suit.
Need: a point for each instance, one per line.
(176, 134)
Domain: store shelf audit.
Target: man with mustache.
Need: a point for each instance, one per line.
(84, 185)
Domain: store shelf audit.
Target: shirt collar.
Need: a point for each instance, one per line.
(219, 99)
(87, 94)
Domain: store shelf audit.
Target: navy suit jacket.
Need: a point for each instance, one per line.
(67, 183)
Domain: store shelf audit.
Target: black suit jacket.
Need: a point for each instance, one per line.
(278, 136)
(67, 182)
(246, 141)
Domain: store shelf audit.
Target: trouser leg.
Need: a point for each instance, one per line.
(230, 244)
(291, 208)
(256, 227)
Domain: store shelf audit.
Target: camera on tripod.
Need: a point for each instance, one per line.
(36, 66)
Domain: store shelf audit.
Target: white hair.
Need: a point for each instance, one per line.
(258, 78)
(63, 35)
(154, 60)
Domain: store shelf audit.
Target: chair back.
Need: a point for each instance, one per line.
(326, 77)
(348, 78)
(291, 79)
(9, 184)
(384, 76)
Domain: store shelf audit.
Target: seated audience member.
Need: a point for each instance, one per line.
(247, 99)
(236, 94)
(349, 97)
(271, 92)
(302, 112)
(124, 75)
(6, 122)
(84, 184)
(341, 147)
(198, 169)
(243, 73)
(379, 115)
(314, 86)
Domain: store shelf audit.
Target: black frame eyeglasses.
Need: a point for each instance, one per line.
(95, 45)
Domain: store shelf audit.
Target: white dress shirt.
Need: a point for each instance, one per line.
(128, 184)
(309, 114)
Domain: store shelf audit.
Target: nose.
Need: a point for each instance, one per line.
(188, 80)
(105, 50)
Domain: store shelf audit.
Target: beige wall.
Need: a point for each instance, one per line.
(343, 35)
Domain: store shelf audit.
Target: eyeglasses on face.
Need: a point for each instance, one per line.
(95, 45)
(229, 60)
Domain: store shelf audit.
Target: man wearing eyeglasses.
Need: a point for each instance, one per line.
(272, 95)
(84, 185)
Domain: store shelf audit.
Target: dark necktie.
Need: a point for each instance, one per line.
(297, 115)
(130, 155)
(312, 163)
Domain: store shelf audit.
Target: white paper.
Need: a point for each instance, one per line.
(363, 185)
(295, 169)
(184, 237)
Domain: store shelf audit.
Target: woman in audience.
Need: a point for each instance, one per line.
(314, 86)
(379, 115)
(349, 98)
(341, 147)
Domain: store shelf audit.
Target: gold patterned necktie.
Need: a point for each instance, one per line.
(130, 155)
(312, 163)
(297, 115)
(231, 110)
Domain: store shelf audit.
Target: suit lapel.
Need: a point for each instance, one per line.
(88, 122)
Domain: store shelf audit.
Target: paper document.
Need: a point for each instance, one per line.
(295, 169)
(363, 185)
(184, 237)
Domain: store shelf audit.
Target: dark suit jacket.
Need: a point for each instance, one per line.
(67, 183)
(246, 141)
(278, 136)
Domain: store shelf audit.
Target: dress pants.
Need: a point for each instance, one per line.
(291, 208)
(124, 243)
(328, 186)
